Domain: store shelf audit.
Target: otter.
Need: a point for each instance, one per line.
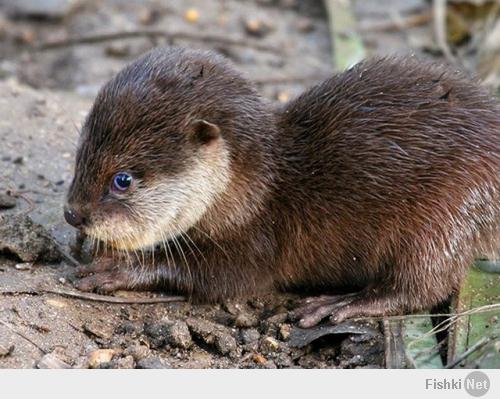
(374, 188)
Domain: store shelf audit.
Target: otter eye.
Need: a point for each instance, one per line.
(122, 181)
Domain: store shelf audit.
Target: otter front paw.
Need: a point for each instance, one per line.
(104, 276)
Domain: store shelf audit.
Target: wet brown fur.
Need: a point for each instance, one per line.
(384, 178)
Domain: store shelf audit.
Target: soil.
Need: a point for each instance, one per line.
(47, 89)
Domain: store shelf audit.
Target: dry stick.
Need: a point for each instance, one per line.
(20, 194)
(478, 345)
(8, 326)
(104, 37)
(491, 20)
(289, 79)
(410, 21)
(112, 299)
(70, 259)
(439, 11)
(445, 324)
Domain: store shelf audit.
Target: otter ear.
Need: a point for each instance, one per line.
(204, 132)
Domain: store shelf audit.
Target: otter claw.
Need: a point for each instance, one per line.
(316, 309)
(105, 282)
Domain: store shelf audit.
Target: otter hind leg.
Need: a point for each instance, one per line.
(414, 282)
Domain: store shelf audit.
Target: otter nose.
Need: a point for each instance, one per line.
(73, 217)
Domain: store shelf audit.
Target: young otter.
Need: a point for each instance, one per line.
(383, 179)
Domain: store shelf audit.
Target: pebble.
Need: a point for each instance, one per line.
(51, 361)
(6, 350)
(118, 50)
(138, 352)
(249, 336)
(7, 201)
(153, 363)
(156, 333)
(269, 345)
(178, 335)
(245, 320)
(126, 362)
(214, 335)
(192, 15)
(283, 97)
(24, 266)
(100, 357)
(257, 27)
(30, 241)
(259, 359)
(284, 331)
(98, 329)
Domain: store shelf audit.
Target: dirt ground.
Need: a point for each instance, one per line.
(47, 87)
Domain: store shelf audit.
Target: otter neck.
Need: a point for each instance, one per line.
(253, 179)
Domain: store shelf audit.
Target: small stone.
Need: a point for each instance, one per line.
(24, 266)
(249, 336)
(284, 331)
(214, 335)
(283, 97)
(57, 303)
(269, 345)
(30, 241)
(245, 320)
(138, 352)
(259, 359)
(126, 362)
(128, 327)
(98, 329)
(178, 335)
(118, 50)
(257, 27)
(283, 360)
(156, 333)
(192, 15)
(153, 363)
(62, 280)
(198, 360)
(6, 350)
(100, 357)
(270, 325)
(7, 201)
(51, 361)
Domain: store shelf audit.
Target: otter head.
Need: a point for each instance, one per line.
(153, 154)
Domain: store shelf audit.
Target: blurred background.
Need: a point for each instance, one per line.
(284, 45)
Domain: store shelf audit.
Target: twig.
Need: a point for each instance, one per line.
(29, 201)
(289, 79)
(70, 259)
(97, 297)
(8, 326)
(478, 345)
(104, 37)
(488, 26)
(112, 299)
(453, 318)
(392, 25)
(439, 11)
